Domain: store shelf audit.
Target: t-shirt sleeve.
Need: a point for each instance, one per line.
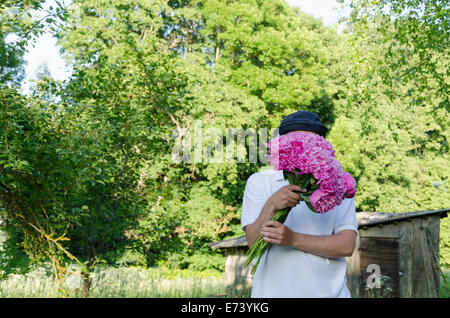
(254, 199)
(346, 217)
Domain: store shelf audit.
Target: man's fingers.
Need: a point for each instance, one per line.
(295, 187)
(293, 199)
(272, 223)
(273, 241)
(268, 229)
(295, 196)
(269, 234)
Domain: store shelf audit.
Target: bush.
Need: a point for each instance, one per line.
(199, 262)
(196, 262)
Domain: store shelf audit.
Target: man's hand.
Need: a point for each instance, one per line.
(285, 197)
(277, 233)
(330, 246)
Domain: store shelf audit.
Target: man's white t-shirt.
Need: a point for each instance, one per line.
(287, 271)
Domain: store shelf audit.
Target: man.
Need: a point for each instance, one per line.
(307, 258)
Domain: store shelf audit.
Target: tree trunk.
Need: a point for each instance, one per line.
(217, 51)
(86, 285)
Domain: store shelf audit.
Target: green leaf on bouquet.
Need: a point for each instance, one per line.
(288, 176)
(306, 199)
(306, 183)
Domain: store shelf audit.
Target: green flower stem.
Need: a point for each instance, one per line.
(260, 246)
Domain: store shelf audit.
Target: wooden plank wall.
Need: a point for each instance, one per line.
(237, 275)
(382, 253)
(407, 252)
(425, 267)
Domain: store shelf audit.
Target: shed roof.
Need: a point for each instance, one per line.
(364, 219)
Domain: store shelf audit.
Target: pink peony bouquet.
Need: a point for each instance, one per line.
(307, 160)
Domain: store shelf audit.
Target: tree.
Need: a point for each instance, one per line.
(392, 110)
(21, 23)
(415, 33)
(165, 78)
(271, 50)
(26, 127)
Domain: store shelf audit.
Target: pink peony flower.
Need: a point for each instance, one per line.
(312, 154)
(350, 185)
(322, 201)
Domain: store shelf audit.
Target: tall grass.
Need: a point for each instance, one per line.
(126, 282)
(445, 283)
(119, 282)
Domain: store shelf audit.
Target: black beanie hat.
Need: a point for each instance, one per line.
(302, 120)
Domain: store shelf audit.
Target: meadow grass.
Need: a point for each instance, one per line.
(134, 282)
(118, 282)
(445, 283)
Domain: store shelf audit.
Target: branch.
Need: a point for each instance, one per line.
(119, 179)
(17, 42)
(5, 187)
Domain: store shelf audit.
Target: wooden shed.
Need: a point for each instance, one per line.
(396, 255)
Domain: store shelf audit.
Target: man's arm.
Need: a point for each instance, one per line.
(285, 197)
(252, 230)
(329, 246)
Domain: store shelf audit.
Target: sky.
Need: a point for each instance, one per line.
(46, 51)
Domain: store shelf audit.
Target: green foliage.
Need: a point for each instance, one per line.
(89, 159)
(29, 167)
(196, 262)
(396, 84)
(444, 244)
(445, 284)
(415, 33)
(403, 137)
(384, 291)
(202, 262)
(189, 204)
(12, 257)
(21, 22)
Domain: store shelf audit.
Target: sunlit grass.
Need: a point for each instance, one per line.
(445, 283)
(119, 282)
(134, 282)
